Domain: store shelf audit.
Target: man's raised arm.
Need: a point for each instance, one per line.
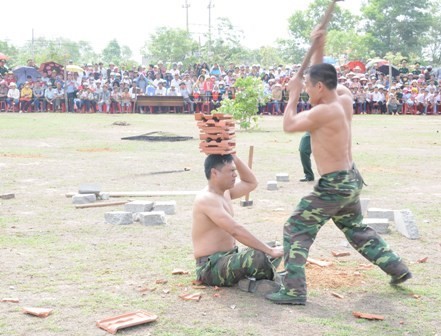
(248, 181)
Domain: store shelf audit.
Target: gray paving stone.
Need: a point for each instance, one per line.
(405, 224)
(118, 217)
(271, 185)
(152, 218)
(381, 225)
(138, 206)
(380, 213)
(89, 188)
(169, 207)
(83, 198)
(282, 177)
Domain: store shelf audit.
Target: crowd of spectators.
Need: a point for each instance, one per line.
(96, 88)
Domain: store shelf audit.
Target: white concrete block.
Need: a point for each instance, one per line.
(271, 185)
(83, 198)
(169, 207)
(118, 217)
(152, 218)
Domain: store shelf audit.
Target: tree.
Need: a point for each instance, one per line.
(397, 25)
(244, 107)
(169, 45)
(301, 24)
(112, 52)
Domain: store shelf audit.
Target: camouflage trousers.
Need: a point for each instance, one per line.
(227, 268)
(336, 197)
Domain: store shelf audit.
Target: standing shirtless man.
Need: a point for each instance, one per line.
(214, 231)
(336, 195)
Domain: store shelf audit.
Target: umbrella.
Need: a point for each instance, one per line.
(3, 56)
(378, 61)
(385, 69)
(74, 68)
(353, 64)
(51, 66)
(22, 72)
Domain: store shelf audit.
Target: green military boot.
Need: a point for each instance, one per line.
(398, 279)
(281, 297)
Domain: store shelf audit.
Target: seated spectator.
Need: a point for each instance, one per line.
(126, 100)
(3, 94)
(12, 97)
(25, 97)
(172, 91)
(58, 96)
(38, 94)
(183, 91)
(49, 97)
(104, 99)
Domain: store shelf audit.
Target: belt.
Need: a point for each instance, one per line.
(202, 260)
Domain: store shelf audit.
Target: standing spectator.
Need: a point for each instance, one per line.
(183, 91)
(104, 99)
(3, 68)
(49, 96)
(3, 94)
(58, 96)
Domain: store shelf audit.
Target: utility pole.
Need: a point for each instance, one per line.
(210, 6)
(32, 45)
(186, 5)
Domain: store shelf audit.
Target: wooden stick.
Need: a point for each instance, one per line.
(250, 165)
(100, 204)
(323, 24)
(144, 193)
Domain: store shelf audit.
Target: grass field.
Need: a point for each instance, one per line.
(56, 256)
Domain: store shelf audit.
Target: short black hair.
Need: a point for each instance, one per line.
(324, 73)
(216, 161)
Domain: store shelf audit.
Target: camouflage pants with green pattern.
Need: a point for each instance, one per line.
(227, 268)
(336, 197)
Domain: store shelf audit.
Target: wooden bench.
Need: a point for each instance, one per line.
(159, 101)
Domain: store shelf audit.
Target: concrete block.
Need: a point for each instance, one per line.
(381, 225)
(83, 198)
(89, 188)
(152, 218)
(364, 202)
(168, 207)
(405, 224)
(103, 196)
(282, 177)
(138, 206)
(118, 217)
(271, 185)
(380, 213)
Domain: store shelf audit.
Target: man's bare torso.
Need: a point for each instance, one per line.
(208, 238)
(331, 142)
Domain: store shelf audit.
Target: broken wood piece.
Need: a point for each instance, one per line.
(7, 196)
(113, 324)
(365, 266)
(40, 312)
(422, 260)
(178, 271)
(337, 295)
(341, 253)
(12, 300)
(321, 263)
(199, 287)
(161, 281)
(191, 296)
(100, 204)
(368, 316)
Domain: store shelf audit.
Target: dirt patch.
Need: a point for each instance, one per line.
(333, 276)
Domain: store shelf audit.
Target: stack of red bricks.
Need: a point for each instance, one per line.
(217, 133)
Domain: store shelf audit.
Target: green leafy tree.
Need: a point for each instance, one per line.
(397, 25)
(10, 51)
(169, 45)
(244, 107)
(112, 52)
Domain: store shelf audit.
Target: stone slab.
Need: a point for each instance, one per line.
(405, 224)
(103, 196)
(169, 207)
(364, 202)
(152, 218)
(83, 198)
(380, 213)
(381, 225)
(89, 188)
(138, 206)
(118, 217)
(271, 185)
(282, 177)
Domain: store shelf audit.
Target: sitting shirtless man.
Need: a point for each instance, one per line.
(214, 231)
